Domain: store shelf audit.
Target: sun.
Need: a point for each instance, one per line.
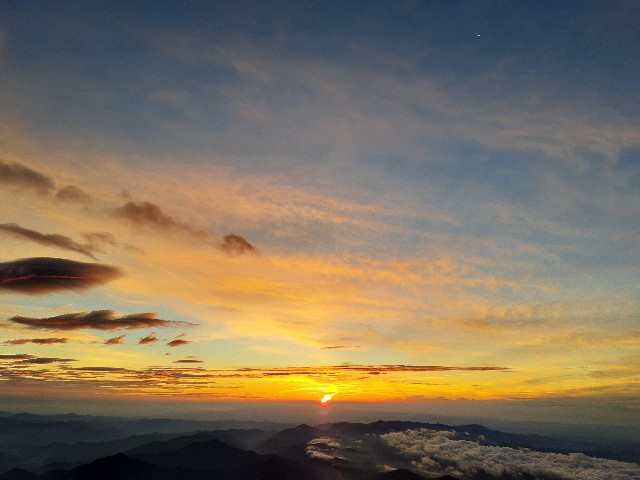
(326, 398)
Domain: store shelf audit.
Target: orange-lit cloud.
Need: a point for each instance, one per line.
(115, 340)
(148, 339)
(178, 341)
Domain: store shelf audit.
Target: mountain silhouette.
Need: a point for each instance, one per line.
(209, 455)
(329, 451)
(18, 474)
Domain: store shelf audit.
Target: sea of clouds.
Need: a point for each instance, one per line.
(438, 452)
(446, 451)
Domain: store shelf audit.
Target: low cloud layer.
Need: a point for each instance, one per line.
(98, 320)
(19, 176)
(180, 377)
(24, 358)
(48, 239)
(431, 451)
(37, 341)
(42, 275)
(48, 360)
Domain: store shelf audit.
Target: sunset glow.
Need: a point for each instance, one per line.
(399, 202)
(326, 398)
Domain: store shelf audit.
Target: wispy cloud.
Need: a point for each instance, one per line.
(340, 347)
(147, 214)
(42, 275)
(98, 320)
(22, 177)
(72, 193)
(96, 241)
(48, 239)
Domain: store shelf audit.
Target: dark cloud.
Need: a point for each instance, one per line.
(98, 320)
(236, 245)
(48, 239)
(188, 360)
(18, 175)
(148, 339)
(37, 341)
(16, 356)
(46, 360)
(150, 214)
(41, 275)
(71, 193)
(115, 340)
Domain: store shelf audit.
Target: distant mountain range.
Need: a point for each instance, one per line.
(72, 447)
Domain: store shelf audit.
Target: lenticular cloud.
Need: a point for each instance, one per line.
(438, 451)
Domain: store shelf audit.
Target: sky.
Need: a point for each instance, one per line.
(386, 202)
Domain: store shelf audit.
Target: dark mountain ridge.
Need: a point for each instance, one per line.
(328, 451)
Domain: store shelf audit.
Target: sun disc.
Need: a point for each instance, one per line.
(326, 398)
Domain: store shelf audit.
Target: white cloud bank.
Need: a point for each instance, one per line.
(438, 451)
